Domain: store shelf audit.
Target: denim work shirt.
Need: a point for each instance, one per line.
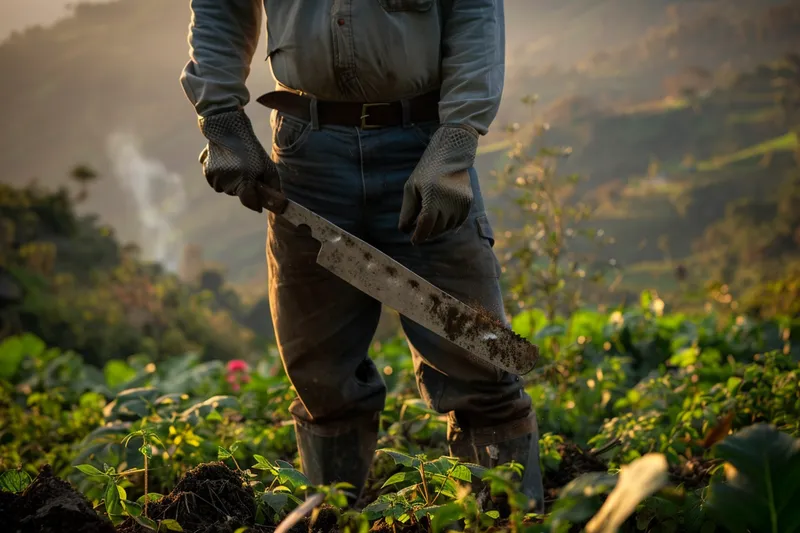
(353, 50)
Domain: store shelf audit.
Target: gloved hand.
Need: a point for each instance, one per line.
(234, 161)
(438, 195)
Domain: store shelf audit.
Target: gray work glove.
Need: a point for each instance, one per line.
(438, 195)
(234, 160)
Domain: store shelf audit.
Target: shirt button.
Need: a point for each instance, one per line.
(340, 22)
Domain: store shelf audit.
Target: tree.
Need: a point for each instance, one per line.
(83, 175)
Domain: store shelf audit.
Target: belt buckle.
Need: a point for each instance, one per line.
(365, 114)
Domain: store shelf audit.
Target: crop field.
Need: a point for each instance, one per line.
(643, 417)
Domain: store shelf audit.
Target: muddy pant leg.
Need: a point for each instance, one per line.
(491, 416)
(323, 326)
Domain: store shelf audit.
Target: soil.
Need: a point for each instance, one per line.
(211, 498)
(574, 462)
(51, 505)
(693, 474)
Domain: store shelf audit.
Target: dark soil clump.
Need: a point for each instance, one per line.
(326, 521)
(693, 474)
(51, 505)
(8, 510)
(211, 498)
(574, 462)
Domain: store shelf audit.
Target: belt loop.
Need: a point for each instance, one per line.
(312, 111)
(406, 106)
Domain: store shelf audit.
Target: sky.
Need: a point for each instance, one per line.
(20, 14)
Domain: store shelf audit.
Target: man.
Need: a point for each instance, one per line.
(376, 119)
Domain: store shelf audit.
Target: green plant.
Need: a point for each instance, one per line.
(546, 259)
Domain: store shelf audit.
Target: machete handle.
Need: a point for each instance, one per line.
(272, 199)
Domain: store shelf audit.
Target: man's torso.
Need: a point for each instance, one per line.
(356, 50)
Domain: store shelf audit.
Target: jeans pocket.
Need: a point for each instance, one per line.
(289, 134)
(424, 131)
(406, 5)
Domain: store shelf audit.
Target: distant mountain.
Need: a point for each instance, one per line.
(101, 88)
(19, 15)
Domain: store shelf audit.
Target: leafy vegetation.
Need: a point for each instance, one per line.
(651, 419)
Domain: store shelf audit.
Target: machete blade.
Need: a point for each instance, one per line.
(373, 272)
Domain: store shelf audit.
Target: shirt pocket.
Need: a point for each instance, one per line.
(419, 6)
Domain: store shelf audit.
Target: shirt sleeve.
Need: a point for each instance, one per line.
(473, 63)
(223, 36)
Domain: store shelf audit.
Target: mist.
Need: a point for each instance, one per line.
(158, 195)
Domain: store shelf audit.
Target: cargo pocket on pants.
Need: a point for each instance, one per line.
(486, 234)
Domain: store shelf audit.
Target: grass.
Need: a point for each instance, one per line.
(759, 116)
(784, 143)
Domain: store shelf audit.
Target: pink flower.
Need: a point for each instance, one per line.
(237, 373)
(237, 365)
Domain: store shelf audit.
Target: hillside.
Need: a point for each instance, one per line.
(92, 90)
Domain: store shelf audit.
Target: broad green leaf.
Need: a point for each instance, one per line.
(445, 516)
(145, 522)
(151, 497)
(762, 485)
(112, 499)
(276, 501)
(295, 476)
(14, 350)
(637, 481)
(733, 383)
(89, 470)
(14, 481)
(132, 508)
(401, 458)
(687, 356)
(462, 473)
(118, 373)
(375, 509)
(477, 471)
(400, 477)
(170, 524)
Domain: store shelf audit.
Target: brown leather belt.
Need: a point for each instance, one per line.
(423, 108)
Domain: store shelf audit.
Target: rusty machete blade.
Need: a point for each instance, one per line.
(381, 277)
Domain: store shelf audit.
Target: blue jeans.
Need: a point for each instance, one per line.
(324, 327)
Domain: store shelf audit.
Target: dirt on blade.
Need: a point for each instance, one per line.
(210, 498)
(52, 505)
(508, 348)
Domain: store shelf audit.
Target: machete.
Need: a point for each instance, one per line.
(484, 338)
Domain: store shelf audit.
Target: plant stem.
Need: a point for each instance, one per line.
(424, 483)
(146, 497)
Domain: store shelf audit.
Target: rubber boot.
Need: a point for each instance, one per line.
(336, 454)
(523, 450)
